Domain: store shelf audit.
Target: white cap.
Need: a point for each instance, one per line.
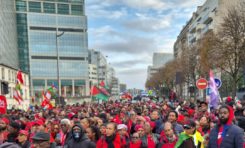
(121, 126)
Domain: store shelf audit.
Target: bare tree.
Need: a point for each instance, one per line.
(230, 45)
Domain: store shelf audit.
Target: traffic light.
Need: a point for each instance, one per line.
(4, 88)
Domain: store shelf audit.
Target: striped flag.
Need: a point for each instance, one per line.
(18, 88)
(214, 95)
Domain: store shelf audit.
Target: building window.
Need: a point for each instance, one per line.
(20, 5)
(38, 82)
(63, 8)
(9, 75)
(3, 74)
(49, 7)
(34, 6)
(77, 9)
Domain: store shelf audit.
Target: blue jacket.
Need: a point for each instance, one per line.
(177, 128)
(232, 139)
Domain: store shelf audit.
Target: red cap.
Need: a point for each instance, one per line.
(38, 122)
(24, 132)
(152, 124)
(137, 127)
(5, 120)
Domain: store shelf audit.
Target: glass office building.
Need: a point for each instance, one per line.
(40, 23)
(8, 43)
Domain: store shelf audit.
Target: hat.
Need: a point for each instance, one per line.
(137, 127)
(14, 125)
(24, 132)
(38, 122)
(189, 124)
(122, 126)
(152, 124)
(41, 136)
(5, 120)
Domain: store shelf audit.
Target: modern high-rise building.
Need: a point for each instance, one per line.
(159, 60)
(52, 44)
(8, 35)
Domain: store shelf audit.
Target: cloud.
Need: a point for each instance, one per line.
(142, 4)
(129, 31)
(130, 63)
(109, 39)
(131, 45)
(147, 23)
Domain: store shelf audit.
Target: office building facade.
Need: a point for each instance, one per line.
(47, 30)
(8, 35)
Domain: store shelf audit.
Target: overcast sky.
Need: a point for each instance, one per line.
(129, 31)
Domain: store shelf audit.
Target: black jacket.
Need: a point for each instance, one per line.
(27, 144)
(82, 142)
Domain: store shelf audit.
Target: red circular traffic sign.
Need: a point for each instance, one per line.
(202, 83)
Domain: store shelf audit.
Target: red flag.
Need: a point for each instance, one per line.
(3, 105)
(19, 77)
(104, 91)
(94, 91)
(102, 84)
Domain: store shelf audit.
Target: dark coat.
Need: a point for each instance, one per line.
(27, 144)
(83, 141)
(233, 138)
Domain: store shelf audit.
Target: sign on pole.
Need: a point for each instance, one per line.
(202, 83)
(218, 82)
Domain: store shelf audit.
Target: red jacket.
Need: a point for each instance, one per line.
(135, 145)
(102, 142)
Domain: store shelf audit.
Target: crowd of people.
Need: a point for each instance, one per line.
(115, 124)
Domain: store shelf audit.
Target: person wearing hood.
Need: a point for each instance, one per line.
(226, 134)
(79, 138)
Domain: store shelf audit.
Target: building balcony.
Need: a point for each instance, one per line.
(209, 18)
(200, 27)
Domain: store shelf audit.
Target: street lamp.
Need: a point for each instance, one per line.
(58, 71)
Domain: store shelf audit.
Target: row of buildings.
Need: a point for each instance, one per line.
(48, 42)
(207, 17)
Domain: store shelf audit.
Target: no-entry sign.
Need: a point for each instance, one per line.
(202, 83)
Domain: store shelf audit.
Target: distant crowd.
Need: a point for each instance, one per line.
(126, 124)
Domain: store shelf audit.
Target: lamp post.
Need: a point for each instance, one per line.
(58, 70)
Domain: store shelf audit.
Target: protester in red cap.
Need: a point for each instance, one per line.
(23, 139)
(3, 129)
(140, 130)
(111, 139)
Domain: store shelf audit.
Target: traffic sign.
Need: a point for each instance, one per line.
(218, 82)
(202, 83)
